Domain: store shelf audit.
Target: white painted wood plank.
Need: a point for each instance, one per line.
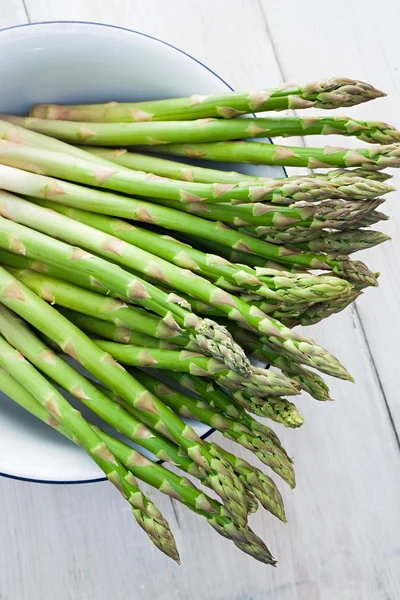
(364, 44)
(342, 537)
(12, 12)
(217, 33)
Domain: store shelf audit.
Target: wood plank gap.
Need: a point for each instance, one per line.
(26, 11)
(176, 512)
(360, 329)
(271, 37)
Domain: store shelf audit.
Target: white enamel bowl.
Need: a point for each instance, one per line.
(82, 62)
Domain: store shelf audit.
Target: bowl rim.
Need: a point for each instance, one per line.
(199, 62)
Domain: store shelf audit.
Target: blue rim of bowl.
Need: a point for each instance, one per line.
(151, 37)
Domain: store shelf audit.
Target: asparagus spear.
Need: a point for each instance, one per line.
(212, 338)
(329, 93)
(212, 266)
(253, 478)
(316, 313)
(114, 333)
(120, 251)
(23, 338)
(169, 168)
(309, 381)
(277, 460)
(217, 398)
(330, 214)
(374, 217)
(375, 157)
(181, 489)
(112, 204)
(144, 511)
(357, 172)
(273, 309)
(189, 172)
(190, 362)
(208, 130)
(114, 177)
(192, 408)
(46, 319)
(103, 307)
(12, 132)
(280, 285)
(34, 244)
(177, 487)
(278, 409)
(283, 288)
(345, 242)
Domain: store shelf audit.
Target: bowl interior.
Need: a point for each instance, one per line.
(75, 63)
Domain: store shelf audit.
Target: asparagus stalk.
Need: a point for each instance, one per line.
(345, 242)
(316, 313)
(245, 259)
(277, 409)
(192, 408)
(217, 398)
(12, 132)
(189, 172)
(375, 157)
(278, 460)
(273, 309)
(357, 172)
(102, 202)
(46, 319)
(117, 178)
(309, 381)
(280, 285)
(374, 217)
(181, 489)
(14, 236)
(114, 333)
(253, 478)
(120, 251)
(144, 511)
(169, 168)
(283, 288)
(212, 338)
(329, 93)
(330, 214)
(22, 337)
(108, 309)
(190, 362)
(177, 487)
(208, 130)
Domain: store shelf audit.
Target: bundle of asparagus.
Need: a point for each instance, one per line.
(166, 298)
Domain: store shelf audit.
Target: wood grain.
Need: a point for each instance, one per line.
(342, 541)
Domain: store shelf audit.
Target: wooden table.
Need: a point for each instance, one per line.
(342, 541)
